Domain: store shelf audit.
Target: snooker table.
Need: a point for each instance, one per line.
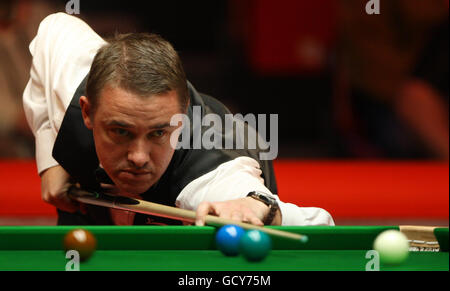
(192, 248)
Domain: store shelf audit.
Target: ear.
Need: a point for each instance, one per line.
(187, 105)
(86, 111)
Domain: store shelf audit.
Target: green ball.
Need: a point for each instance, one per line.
(392, 246)
(255, 245)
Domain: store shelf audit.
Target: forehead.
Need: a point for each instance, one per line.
(118, 103)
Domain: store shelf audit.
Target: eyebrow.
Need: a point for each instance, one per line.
(127, 125)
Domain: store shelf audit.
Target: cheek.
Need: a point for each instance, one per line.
(161, 156)
(109, 154)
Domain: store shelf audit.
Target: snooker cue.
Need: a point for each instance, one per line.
(145, 207)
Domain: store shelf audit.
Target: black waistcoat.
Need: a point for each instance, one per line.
(74, 149)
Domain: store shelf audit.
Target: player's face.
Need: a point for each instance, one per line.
(132, 136)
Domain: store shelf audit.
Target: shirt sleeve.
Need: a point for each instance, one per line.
(62, 53)
(235, 179)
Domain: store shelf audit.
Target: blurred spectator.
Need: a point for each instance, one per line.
(19, 20)
(423, 99)
(392, 84)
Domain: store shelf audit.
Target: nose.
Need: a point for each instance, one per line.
(139, 154)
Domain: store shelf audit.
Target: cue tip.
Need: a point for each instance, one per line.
(304, 239)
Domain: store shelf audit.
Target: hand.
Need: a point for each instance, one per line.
(54, 186)
(109, 189)
(245, 209)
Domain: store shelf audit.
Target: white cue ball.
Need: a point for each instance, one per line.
(392, 246)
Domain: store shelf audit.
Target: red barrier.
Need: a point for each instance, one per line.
(20, 190)
(348, 189)
(353, 189)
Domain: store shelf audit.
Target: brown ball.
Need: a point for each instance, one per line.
(82, 241)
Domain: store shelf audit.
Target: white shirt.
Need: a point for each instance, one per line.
(63, 51)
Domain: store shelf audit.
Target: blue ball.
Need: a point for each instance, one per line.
(228, 238)
(255, 245)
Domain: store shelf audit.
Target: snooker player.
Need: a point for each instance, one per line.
(100, 112)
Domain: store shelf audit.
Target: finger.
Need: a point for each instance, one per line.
(255, 221)
(110, 189)
(66, 204)
(107, 186)
(237, 216)
(67, 207)
(58, 203)
(203, 209)
(250, 217)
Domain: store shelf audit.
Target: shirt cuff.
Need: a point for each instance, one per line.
(45, 139)
(292, 214)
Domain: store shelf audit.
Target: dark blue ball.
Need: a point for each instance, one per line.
(228, 239)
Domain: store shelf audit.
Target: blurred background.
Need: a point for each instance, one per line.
(345, 84)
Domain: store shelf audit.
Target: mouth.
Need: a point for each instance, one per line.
(134, 172)
(134, 175)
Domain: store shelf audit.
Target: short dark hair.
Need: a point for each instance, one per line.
(140, 63)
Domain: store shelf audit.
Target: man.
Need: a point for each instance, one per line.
(101, 116)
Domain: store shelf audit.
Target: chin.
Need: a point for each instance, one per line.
(131, 190)
(135, 191)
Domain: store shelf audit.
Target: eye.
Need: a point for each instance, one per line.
(121, 132)
(157, 133)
